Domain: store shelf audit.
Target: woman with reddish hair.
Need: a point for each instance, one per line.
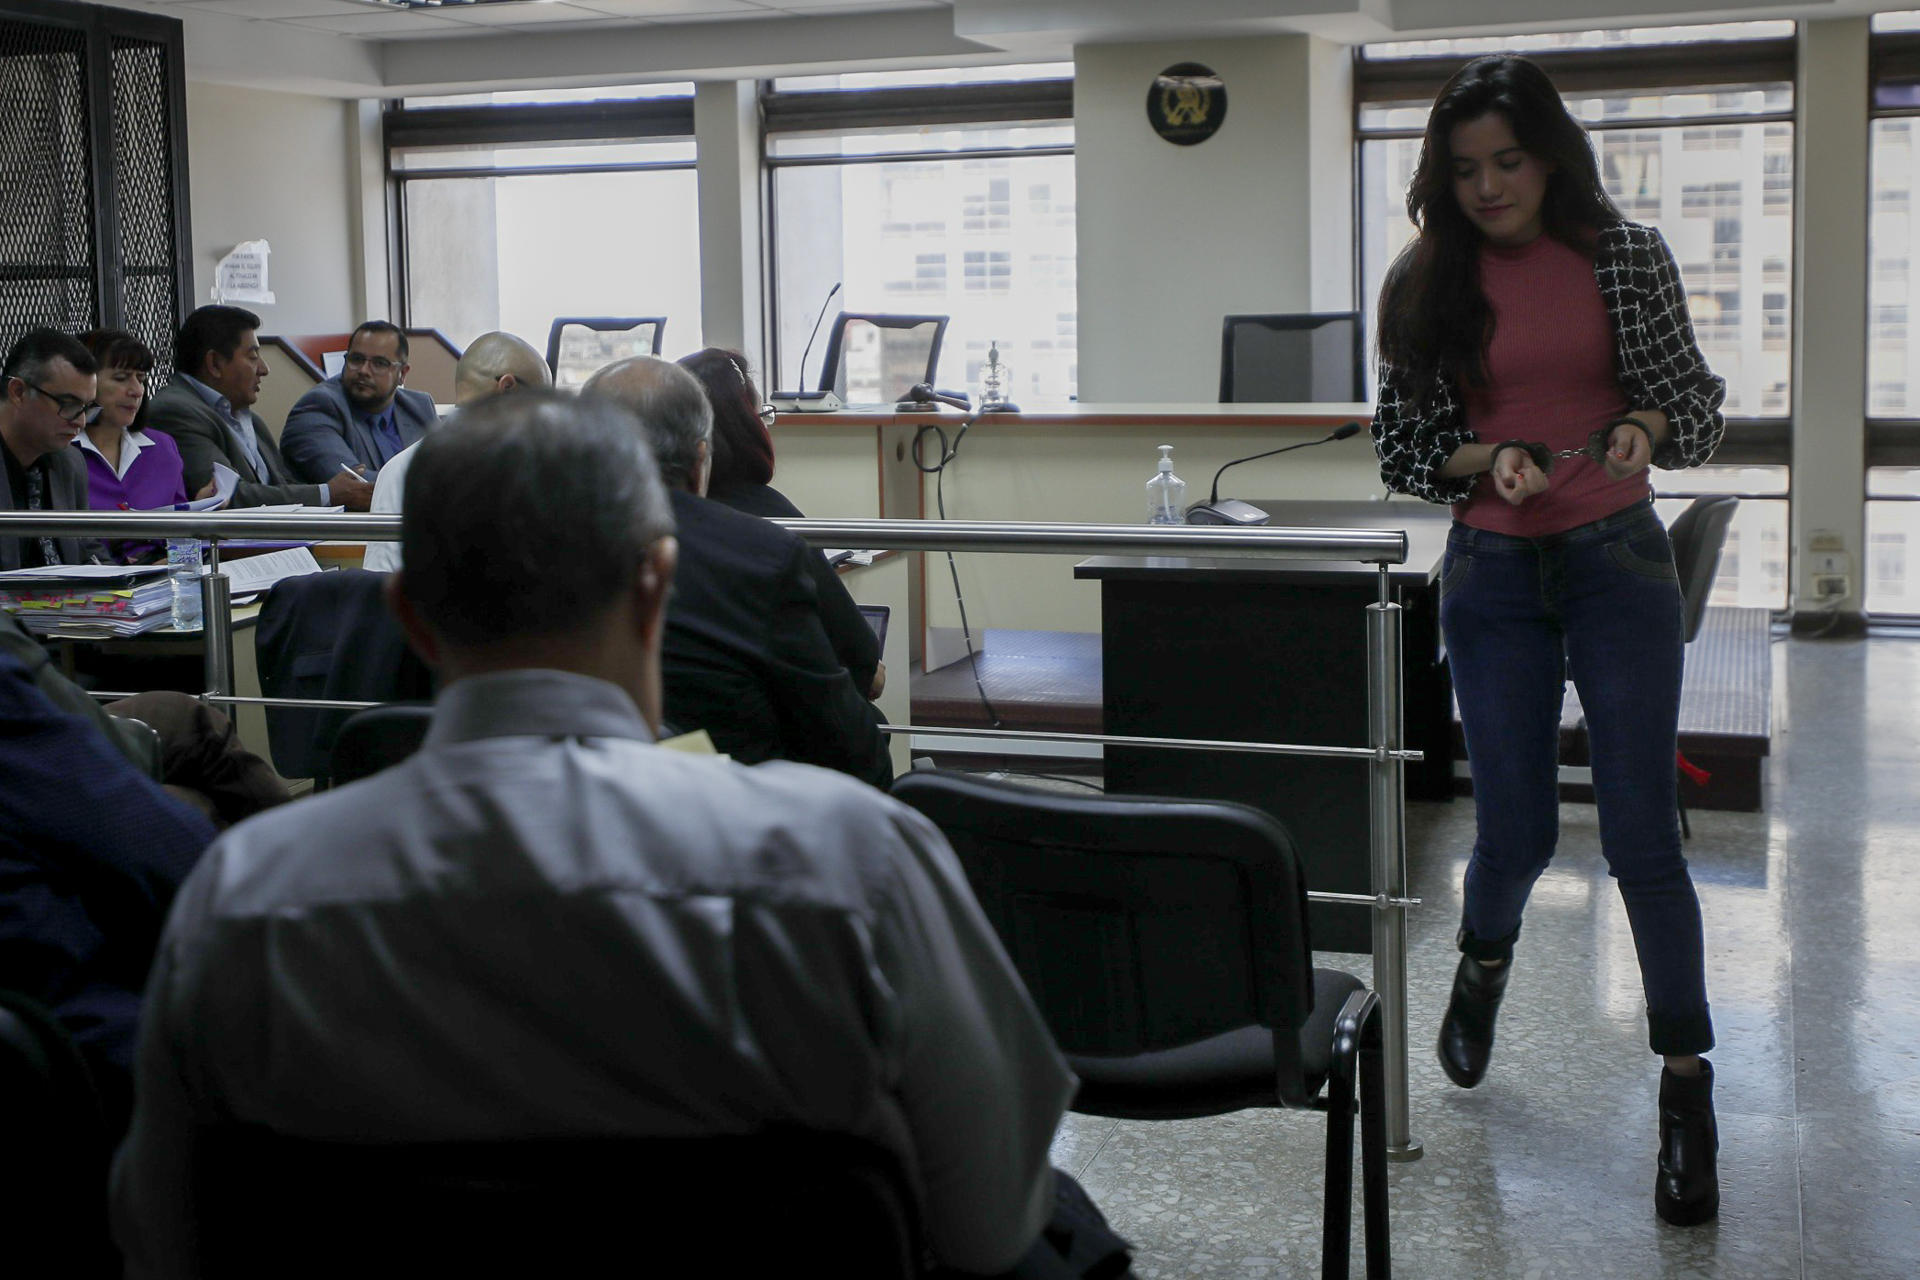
(741, 477)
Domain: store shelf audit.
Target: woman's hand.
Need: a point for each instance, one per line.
(207, 490)
(1629, 449)
(1516, 477)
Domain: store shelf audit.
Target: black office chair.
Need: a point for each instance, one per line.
(1291, 359)
(378, 738)
(53, 1161)
(878, 359)
(1698, 536)
(578, 345)
(774, 1203)
(1165, 943)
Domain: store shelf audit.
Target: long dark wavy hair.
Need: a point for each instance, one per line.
(1434, 322)
(742, 446)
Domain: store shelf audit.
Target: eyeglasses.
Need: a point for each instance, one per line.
(66, 406)
(379, 364)
(767, 414)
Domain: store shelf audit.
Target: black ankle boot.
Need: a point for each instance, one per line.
(1687, 1190)
(1466, 1033)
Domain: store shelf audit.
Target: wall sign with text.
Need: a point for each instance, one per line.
(1187, 103)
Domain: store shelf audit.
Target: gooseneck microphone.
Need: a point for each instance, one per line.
(1234, 511)
(808, 349)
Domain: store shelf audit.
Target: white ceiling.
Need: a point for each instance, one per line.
(350, 49)
(363, 21)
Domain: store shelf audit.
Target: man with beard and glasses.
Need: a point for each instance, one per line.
(359, 420)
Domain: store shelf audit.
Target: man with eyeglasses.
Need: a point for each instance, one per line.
(361, 418)
(49, 386)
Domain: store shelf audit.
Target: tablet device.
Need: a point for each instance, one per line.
(876, 616)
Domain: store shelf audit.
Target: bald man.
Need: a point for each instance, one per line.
(746, 653)
(493, 364)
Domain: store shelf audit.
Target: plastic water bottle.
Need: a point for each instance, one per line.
(1166, 492)
(183, 573)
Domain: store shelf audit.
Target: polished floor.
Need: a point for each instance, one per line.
(1546, 1170)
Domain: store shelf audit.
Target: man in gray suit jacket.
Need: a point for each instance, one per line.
(49, 386)
(359, 419)
(207, 410)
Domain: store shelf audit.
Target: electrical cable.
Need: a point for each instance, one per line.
(948, 452)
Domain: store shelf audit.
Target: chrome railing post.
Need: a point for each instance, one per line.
(1387, 831)
(216, 621)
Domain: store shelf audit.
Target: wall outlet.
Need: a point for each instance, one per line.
(1829, 586)
(1828, 564)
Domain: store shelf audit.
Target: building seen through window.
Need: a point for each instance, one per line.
(975, 221)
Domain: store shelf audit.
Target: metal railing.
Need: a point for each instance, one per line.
(1385, 752)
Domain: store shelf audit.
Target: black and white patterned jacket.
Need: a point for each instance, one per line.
(1659, 363)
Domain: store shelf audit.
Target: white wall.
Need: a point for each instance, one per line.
(278, 167)
(1173, 238)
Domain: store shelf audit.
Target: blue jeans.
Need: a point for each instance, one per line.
(1600, 603)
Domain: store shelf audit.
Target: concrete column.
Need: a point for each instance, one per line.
(1831, 143)
(726, 126)
(1257, 218)
(373, 296)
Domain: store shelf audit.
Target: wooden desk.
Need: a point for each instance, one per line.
(1080, 462)
(1276, 652)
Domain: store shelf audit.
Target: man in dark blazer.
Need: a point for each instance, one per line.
(91, 854)
(49, 386)
(207, 409)
(746, 655)
(362, 417)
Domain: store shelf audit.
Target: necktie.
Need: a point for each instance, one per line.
(387, 434)
(37, 501)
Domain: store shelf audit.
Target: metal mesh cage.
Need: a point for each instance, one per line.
(143, 164)
(47, 211)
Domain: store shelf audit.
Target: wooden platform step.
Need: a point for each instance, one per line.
(1042, 680)
(1726, 714)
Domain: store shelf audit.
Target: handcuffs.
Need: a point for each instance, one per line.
(1595, 450)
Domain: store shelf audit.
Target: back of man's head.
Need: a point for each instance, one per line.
(38, 348)
(496, 362)
(529, 521)
(211, 330)
(672, 406)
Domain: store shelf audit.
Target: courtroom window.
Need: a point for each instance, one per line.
(520, 207)
(880, 183)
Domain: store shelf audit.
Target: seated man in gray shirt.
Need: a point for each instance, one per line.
(682, 945)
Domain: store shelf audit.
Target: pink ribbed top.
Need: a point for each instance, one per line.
(1551, 378)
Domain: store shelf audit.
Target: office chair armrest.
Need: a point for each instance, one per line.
(1358, 1024)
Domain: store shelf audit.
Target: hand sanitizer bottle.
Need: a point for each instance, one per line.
(1166, 492)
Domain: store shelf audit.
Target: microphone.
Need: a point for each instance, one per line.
(808, 349)
(1234, 511)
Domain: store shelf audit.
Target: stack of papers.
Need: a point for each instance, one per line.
(88, 600)
(251, 576)
(108, 601)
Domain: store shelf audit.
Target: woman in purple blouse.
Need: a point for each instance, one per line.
(128, 467)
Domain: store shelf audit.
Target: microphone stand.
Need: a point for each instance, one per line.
(1234, 511)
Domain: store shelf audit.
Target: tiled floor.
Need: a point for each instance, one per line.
(1546, 1170)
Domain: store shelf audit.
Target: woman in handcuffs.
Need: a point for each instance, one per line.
(1535, 356)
